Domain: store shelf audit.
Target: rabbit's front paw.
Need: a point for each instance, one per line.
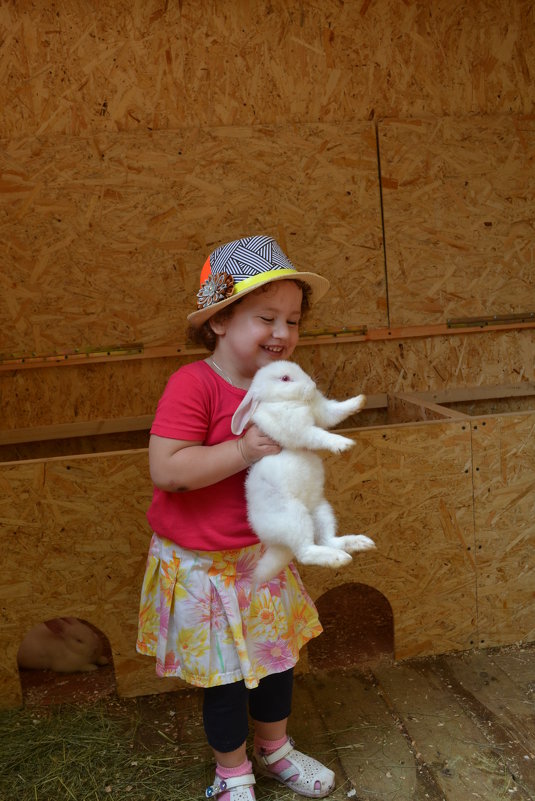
(339, 444)
(358, 403)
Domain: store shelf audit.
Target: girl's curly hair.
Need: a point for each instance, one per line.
(205, 336)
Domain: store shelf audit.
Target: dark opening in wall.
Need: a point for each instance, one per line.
(44, 687)
(358, 628)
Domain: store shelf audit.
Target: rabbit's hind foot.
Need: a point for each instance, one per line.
(324, 556)
(351, 543)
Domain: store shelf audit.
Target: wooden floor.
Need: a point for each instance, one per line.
(454, 727)
(459, 727)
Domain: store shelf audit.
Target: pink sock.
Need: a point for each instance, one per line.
(268, 747)
(230, 773)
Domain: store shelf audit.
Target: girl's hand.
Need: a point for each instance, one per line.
(254, 445)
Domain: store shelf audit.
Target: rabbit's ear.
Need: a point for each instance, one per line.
(243, 413)
(56, 626)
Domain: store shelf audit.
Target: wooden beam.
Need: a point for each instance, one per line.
(78, 429)
(139, 351)
(421, 409)
(459, 394)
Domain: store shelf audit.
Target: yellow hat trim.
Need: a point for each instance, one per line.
(260, 278)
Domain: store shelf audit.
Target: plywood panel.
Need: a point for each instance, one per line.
(504, 512)
(106, 236)
(128, 389)
(454, 539)
(76, 67)
(75, 542)
(459, 208)
(409, 487)
(474, 360)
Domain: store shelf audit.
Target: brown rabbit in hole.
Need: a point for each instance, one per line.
(63, 644)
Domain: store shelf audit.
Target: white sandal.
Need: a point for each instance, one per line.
(234, 784)
(308, 770)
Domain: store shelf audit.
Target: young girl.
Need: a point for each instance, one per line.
(199, 615)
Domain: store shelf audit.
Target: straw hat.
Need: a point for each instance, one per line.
(237, 268)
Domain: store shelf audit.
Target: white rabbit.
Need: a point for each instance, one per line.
(285, 501)
(64, 644)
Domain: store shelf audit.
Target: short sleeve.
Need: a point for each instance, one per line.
(183, 411)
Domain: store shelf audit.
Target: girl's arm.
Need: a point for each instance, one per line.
(179, 465)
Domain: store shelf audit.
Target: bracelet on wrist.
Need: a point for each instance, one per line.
(241, 451)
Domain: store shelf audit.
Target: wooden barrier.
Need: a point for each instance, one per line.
(448, 501)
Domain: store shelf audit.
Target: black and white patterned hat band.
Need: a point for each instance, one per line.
(250, 256)
(237, 268)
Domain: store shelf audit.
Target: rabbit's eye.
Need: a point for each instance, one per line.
(285, 378)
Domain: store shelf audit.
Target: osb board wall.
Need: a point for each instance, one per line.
(132, 388)
(459, 206)
(107, 234)
(409, 487)
(75, 538)
(504, 513)
(78, 67)
(140, 134)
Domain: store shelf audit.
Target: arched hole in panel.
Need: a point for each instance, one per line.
(358, 628)
(54, 659)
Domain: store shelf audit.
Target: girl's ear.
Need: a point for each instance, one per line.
(243, 414)
(218, 323)
(217, 326)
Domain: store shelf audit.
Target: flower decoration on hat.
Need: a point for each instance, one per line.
(216, 288)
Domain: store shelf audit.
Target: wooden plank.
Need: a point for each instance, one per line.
(404, 407)
(490, 695)
(79, 429)
(459, 750)
(307, 726)
(517, 662)
(377, 759)
(487, 392)
(90, 428)
(504, 492)
(112, 203)
(400, 407)
(188, 65)
(456, 190)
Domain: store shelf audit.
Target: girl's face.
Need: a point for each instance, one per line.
(263, 328)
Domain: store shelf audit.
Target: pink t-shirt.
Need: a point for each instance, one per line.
(197, 404)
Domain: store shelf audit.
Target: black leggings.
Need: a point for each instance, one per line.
(225, 708)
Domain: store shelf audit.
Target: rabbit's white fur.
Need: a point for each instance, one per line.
(63, 644)
(285, 500)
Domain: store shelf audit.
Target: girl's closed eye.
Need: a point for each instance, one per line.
(268, 319)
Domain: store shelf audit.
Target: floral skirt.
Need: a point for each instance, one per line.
(202, 620)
